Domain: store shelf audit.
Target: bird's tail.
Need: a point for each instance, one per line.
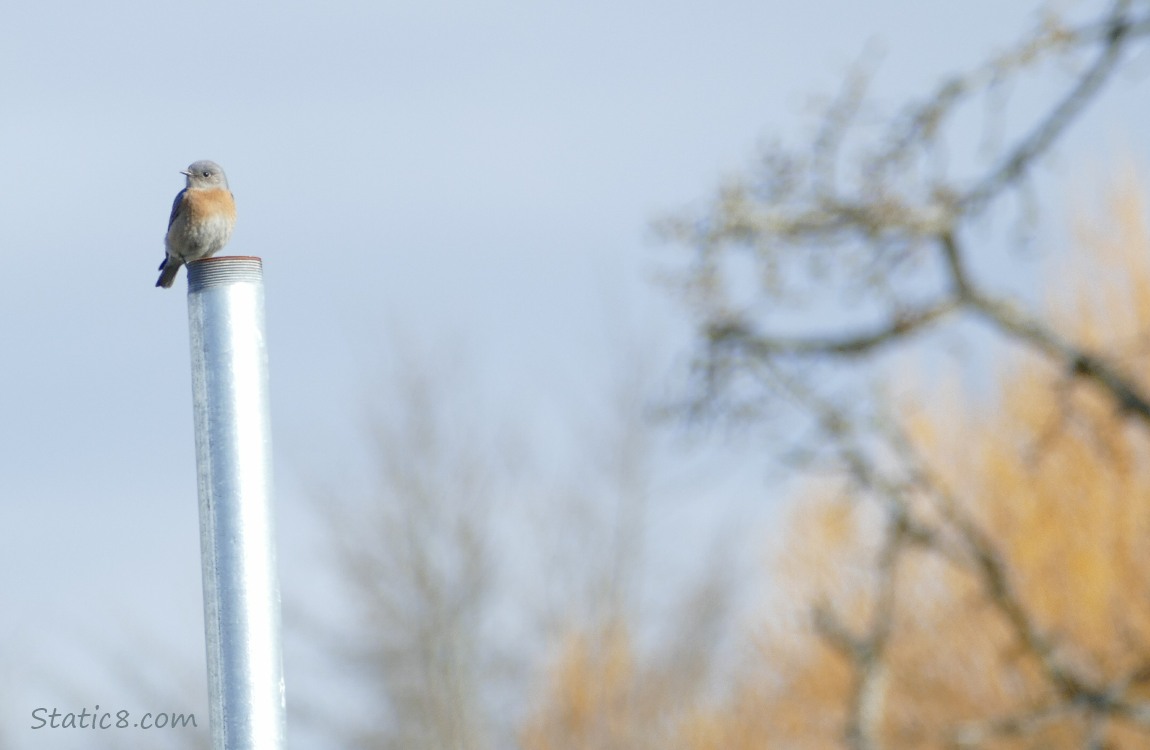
(168, 270)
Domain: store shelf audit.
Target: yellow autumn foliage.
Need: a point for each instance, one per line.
(1058, 479)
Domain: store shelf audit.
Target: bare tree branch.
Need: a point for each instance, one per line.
(1127, 396)
(1072, 691)
(735, 335)
(874, 225)
(891, 234)
(1117, 30)
(867, 652)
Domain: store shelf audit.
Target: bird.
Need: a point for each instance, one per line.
(203, 216)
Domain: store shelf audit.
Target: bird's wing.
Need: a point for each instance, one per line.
(176, 206)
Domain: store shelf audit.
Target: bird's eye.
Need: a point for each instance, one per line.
(206, 173)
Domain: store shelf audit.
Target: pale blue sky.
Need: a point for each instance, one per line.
(474, 173)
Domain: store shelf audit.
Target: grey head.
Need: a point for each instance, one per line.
(205, 174)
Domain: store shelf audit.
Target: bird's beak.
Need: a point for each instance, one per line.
(185, 173)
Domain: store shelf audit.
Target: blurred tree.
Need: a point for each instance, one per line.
(413, 552)
(961, 575)
(987, 589)
(471, 567)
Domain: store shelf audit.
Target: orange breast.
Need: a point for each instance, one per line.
(210, 203)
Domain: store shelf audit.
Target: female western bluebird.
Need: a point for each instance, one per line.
(202, 219)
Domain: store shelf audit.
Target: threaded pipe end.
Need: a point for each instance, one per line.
(226, 269)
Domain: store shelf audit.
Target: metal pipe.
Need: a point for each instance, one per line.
(234, 474)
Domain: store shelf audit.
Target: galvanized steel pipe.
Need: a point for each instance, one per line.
(234, 473)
